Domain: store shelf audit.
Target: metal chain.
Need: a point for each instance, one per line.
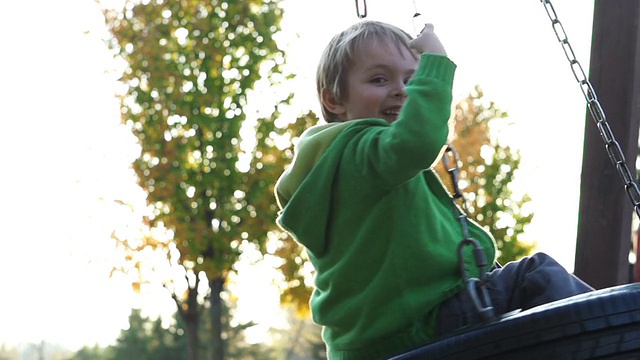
(474, 286)
(612, 146)
(361, 13)
(450, 160)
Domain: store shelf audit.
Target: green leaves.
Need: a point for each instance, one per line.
(189, 67)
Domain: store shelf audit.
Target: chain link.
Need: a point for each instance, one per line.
(361, 12)
(597, 113)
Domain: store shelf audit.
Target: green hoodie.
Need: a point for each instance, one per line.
(378, 225)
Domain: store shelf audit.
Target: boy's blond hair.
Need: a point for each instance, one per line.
(338, 57)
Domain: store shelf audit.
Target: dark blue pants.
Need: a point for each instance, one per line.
(521, 284)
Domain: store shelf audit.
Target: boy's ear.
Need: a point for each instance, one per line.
(332, 104)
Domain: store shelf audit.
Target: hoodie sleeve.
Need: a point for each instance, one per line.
(415, 141)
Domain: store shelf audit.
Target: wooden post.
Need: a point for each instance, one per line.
(605, 212)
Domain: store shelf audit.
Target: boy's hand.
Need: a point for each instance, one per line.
(428, 42)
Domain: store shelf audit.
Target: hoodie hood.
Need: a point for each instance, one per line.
(304, 191)
(310, 148)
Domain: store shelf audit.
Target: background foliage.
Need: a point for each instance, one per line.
(487, 169)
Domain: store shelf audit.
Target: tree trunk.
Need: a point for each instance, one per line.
(215, 314)
(193, 324)
(190, 312)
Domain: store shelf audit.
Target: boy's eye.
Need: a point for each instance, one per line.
(378, 80)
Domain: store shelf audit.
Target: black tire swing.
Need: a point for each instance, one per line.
(603, 324)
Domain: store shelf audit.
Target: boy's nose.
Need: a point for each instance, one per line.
(399, 90)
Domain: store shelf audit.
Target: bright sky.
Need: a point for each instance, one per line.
(65, 157)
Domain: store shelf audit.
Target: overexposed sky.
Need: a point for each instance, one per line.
(65, 158)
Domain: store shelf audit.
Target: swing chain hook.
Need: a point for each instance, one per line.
(595, 109)
(361, 13)
(475, 287)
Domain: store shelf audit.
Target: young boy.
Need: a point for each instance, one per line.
(378, 225)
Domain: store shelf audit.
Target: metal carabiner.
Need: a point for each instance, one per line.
(483, 305)
(450, 160)
(361, 14)
(482, 301)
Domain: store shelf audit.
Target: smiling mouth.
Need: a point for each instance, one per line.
(393, 111)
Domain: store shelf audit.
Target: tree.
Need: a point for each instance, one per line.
(487, 170)
(189, 70)
(147, 339)
(91, 353)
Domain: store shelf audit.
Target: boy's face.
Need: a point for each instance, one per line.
(376, 82)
